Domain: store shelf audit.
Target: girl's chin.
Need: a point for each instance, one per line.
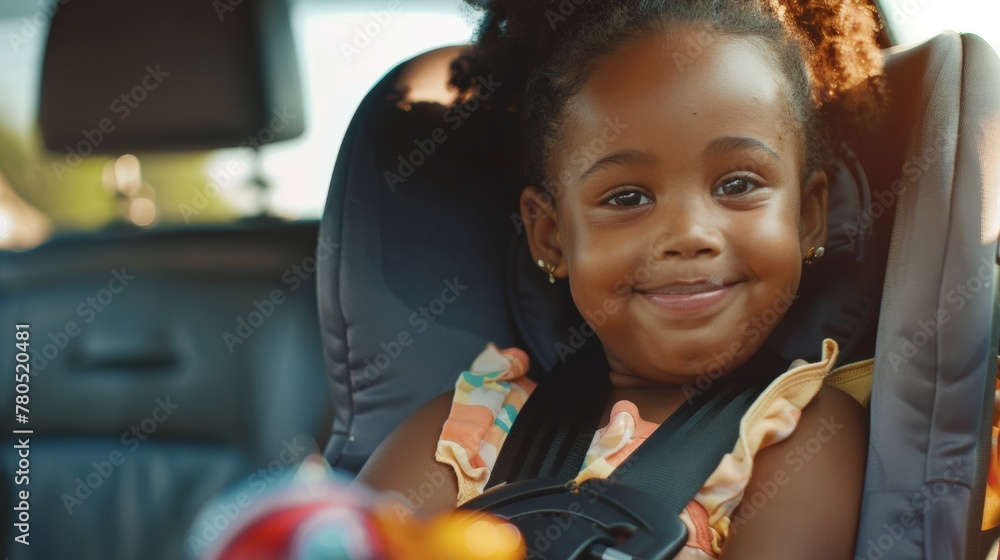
(682, 356)
(693, 361)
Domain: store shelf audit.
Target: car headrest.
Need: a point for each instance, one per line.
(169, 75)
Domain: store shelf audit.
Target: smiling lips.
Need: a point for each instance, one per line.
(689, 297)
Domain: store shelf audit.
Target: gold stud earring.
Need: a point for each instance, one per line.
(548, 268)
(814, 254)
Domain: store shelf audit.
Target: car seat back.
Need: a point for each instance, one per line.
(163, 370)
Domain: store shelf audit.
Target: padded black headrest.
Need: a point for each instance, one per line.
(165, 75)
(420, 206)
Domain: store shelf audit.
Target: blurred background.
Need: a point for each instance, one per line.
(35, 200)
(163, 169)
(335, 76)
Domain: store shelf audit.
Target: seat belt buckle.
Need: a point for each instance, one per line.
(596, 519)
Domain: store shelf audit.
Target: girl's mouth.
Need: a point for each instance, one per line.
(690, 298)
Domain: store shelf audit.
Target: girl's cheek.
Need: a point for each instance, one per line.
(777, 230)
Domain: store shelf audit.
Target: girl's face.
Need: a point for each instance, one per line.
(680, 216)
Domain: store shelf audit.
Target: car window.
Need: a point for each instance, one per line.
(344, 47)
(913, 21)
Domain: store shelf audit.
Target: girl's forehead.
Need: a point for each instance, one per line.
(692, 83)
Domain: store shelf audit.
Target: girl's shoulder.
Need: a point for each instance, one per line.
(802, 446)
(796, 404)
(815, 472)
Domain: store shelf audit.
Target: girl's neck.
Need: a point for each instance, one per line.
(654, 404)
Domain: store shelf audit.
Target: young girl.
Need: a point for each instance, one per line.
(678, 151)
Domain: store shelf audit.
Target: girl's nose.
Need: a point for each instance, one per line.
(688, 232)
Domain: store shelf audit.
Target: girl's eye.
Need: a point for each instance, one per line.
(629, 198)
(735, 187)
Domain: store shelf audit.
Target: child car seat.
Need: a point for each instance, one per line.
(433, 265)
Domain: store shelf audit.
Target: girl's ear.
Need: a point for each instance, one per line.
(542, 228)
(813, 231)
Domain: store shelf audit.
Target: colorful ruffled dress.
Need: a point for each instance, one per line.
(490, 394)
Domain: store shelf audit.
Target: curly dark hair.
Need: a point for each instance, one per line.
(543, 52)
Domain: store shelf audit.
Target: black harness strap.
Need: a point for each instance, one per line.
(674, 462)
(553, 431)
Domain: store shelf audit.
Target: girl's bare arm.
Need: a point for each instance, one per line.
(804, 496)
(405, 463)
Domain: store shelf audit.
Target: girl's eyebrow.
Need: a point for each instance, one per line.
(719, 145)
(737, 143)
(617, 158)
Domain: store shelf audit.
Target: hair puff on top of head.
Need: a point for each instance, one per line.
(520, 41)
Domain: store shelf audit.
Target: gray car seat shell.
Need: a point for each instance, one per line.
(936, 351)
(895, 255)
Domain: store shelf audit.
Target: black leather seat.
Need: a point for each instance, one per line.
(421, 197)
(167, 364)
(143, 403)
